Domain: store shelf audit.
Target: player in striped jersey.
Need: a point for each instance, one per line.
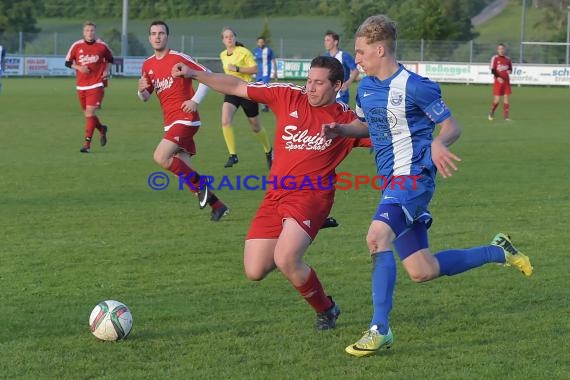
(179, 103)
(331, 42)
(2, 63)
(266, 64)
(91, 59)
(401, 110)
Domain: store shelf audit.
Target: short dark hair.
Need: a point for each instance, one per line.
(334, 35)
(336, 71)
(158, 22)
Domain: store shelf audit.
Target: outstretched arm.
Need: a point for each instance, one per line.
(226, 84)
(441, 156)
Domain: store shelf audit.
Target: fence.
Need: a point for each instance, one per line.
(57, 44)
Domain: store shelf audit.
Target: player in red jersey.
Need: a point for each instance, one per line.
(179, 104)
(91, 59)
(501, 67)
(293, 210)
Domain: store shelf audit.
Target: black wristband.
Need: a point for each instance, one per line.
(237, 69)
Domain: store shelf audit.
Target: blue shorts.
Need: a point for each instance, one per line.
(264, 79)
(412, 194)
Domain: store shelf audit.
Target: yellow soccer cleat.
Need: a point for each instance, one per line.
(370, 343)
(513, 256)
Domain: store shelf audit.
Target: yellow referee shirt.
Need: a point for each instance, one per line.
(241, 57)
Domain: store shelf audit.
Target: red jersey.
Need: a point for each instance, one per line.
(298, 149)
(95, 55)
(172, 92)
(502, 66)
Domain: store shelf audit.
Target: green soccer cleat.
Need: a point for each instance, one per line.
(371, 342)
(513, 257)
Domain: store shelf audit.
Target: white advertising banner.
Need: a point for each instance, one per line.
(46, 66)
(478, 73)
(548, 75)
(14, 66)
(132, 67)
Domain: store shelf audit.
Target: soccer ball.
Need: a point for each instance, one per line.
(111, 320)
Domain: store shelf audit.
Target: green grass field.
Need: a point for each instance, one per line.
(78, 229)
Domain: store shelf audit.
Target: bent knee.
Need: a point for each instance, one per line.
(162, 160)
(422, 275)
(253, 275)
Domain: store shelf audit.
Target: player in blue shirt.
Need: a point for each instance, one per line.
(266, 64)
(2, 61)
(401, 110)
(331, 42)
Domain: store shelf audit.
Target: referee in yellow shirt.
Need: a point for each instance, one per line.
(239, 62)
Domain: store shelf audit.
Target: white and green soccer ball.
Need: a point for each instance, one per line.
(111, 320)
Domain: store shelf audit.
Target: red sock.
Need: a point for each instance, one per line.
(505, 110)
(312, 291)
(179, 167)
(90, 125)
(493, 108)
(98, 124)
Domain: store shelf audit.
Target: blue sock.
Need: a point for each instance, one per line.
(455, 261)
(383, 282)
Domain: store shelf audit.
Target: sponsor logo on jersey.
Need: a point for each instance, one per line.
(162, 84)
(396, 99)
(302, 140)
(87, 59)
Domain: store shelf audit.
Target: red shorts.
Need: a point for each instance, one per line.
(91, 98)
(309, 208)
(183, 136)
(501, 89)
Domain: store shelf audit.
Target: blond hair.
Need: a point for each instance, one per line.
(379, 28)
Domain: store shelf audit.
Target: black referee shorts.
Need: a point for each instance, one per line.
(250, 107)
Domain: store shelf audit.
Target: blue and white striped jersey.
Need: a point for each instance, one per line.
(401, 113)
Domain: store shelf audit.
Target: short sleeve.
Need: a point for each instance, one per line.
(248, 59)
(261, 93)
(428, 98)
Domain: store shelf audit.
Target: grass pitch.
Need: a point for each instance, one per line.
(78, 229)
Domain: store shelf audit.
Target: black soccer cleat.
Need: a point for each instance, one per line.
(204, 193)
(103, 137)
(330, 222)
(232, 160)
(85, 149)
(327, 319)
(218, 213)
(269, 158)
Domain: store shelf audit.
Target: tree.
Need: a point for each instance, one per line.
(113, 38)
(266, 32)
(419, 19)
(18, 16)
